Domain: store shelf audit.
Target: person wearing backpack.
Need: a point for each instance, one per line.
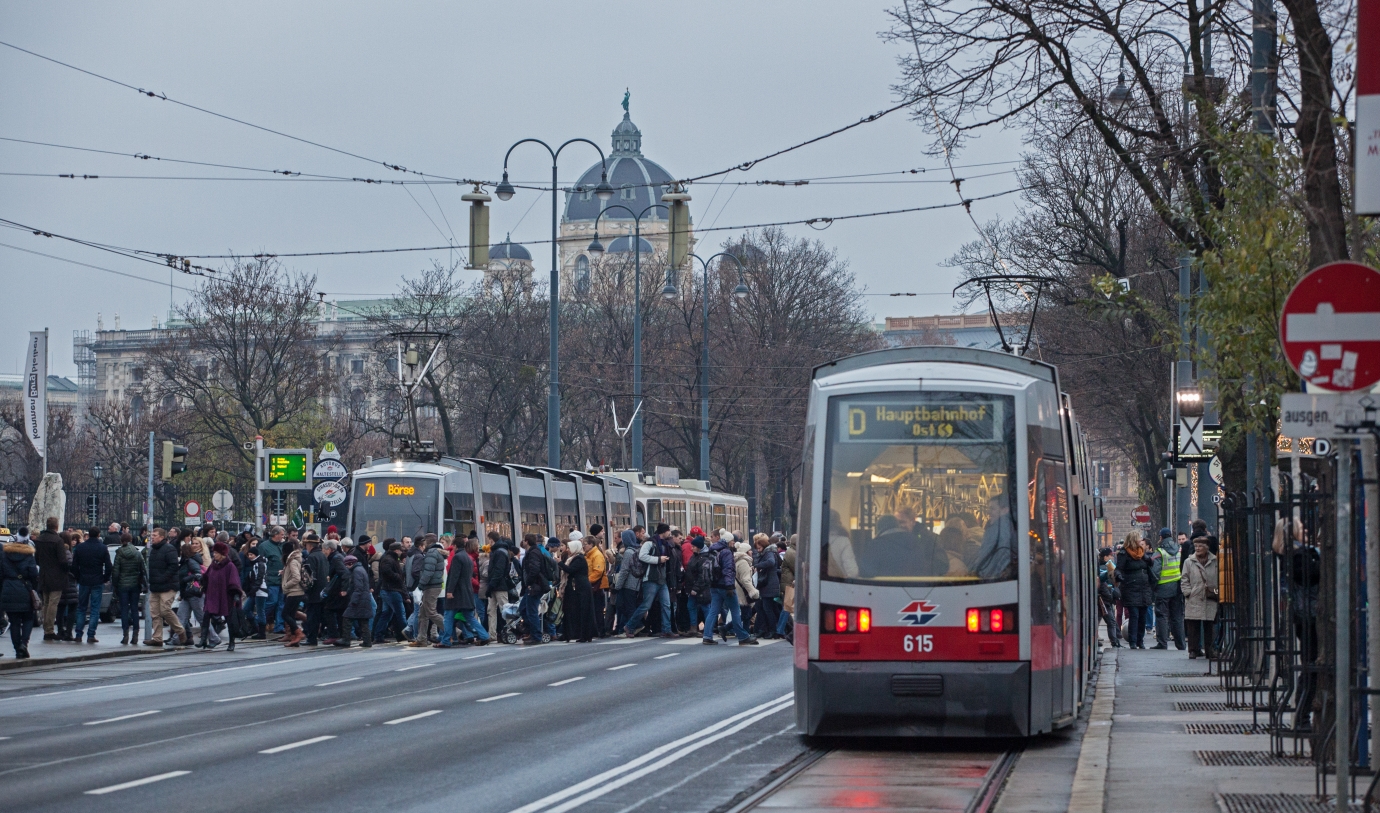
(253, 579)
(430, 580)
(767, 566)
(498, 583)
(654, 556)
(535, 585)
(723, 593)
(314, 566)
(699, 575)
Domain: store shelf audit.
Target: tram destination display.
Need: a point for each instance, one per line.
(940, 421)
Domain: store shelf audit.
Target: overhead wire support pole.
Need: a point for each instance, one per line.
(704, 364)
(505, 191)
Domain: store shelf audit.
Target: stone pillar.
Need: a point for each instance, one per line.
(49, 501)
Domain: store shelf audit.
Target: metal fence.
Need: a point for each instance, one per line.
(89, 505)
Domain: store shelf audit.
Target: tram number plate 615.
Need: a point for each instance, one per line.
(917, 643)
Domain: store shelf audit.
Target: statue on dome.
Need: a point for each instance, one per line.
(627, 94)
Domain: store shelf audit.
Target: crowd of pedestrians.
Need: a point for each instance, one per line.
(1170, 590)
(204, 588)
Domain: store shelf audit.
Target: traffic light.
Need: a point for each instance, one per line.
(174, 459)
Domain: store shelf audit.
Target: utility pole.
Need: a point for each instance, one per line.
(148, 515)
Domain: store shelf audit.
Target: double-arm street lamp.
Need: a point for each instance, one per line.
(505, 191)
(597, 247)
(741, 292)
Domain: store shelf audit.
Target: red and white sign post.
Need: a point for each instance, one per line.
(1141, 515)
(1368, 107)
(1330, 327)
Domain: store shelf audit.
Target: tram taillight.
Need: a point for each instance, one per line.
(848, 619)
(991, 619)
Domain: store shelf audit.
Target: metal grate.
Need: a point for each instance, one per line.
(1250, 759)
(1222, 728)
(1187, 688)
(1274, 803)
(917, 685)
(1186, 674)
(1201, 706)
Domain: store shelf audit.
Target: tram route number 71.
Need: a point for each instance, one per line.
(917, 643)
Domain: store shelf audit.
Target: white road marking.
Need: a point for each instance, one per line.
(563, 682)
(480, 655)
(624, 666)
(299, 744)
(691, 641)
(244, 697)
(123, 717)
(414, 666)
(687, 744)
(137, 682)
(414, 717)
(336, 682)
(498, 697)
(664, 657)
(136, 783)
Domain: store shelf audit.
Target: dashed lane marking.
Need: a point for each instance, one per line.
(336, 682)
(480, 655)
(148, 780)
(664, 657)
(414, 666)
(563, 682)
(424, 714)
(243, 697)
(498, 697)
(623, 666)
(123, 717)
(281, 748)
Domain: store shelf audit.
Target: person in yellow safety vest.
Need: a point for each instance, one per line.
(1169, 600)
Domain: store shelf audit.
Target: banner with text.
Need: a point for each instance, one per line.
(36, 391)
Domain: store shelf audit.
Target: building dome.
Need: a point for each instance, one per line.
(508, 250)
(637, 182)
(624, 245)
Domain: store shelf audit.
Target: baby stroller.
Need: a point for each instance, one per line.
(514, 626)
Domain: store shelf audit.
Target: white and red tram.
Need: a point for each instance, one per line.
(944, 585)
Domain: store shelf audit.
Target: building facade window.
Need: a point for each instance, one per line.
(357, 366)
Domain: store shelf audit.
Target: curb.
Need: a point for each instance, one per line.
(1090, 778)
(13, 663)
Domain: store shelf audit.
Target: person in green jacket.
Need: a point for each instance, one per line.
(127, 578)
(271, 549)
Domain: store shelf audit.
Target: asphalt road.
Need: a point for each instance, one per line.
(644, 725)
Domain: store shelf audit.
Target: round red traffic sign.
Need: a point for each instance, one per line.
(192, 508)
(1330, 326)
(1141, 515)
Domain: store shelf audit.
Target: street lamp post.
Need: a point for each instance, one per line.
(597, 247)
(669, 292)
(96, 472)
(505, 191)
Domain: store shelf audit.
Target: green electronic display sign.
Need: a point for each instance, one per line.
(287, 469)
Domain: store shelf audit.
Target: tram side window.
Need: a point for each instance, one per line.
(498, 514)
(622, 511)
(459, 516)
(653, 514)
(673, 512)
(720, 519)
(533, 515)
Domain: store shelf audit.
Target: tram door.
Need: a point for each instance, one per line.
(1051, 548)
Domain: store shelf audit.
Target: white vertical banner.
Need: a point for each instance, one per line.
(1367, 186)
(36, 391)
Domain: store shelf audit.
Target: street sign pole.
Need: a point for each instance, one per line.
(259, 478)
(1343, 672)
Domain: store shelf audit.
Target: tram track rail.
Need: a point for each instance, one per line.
(808, 774)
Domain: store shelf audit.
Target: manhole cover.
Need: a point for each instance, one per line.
(1187, 688)
(1186, 674)
(1274, 803)
(1222, 728)
(1250, 759)
(1206, 707)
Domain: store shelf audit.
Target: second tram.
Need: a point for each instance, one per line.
(946, 559)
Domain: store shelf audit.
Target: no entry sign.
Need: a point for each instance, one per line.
(1141, 515)
(1330, 327)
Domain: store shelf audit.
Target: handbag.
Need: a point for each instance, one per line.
(37, 600)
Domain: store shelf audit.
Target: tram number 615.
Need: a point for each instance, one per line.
(917, 643)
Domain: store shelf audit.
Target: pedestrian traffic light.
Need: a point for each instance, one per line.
(174, 459)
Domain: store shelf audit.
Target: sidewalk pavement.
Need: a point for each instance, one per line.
(1155, 765)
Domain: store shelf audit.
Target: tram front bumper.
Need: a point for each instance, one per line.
(905, 699)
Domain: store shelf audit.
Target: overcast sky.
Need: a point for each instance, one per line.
(446, 89)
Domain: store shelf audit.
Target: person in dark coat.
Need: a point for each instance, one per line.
(67, 606)
(578, 600)
(316, 567)
(127, 579)
(534, 586)
(767, 565)
(337, 592)
(50, 551)
(392, 583)
(19, 582)
(223, 594)
(92, 569)
(500, 582)
(358, 612)
(459, 601)
(163, 567)
(1134, 575)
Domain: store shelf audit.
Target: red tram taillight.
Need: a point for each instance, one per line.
(848, 619)
(991, 619)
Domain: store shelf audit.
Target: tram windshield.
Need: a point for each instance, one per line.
(919, 488)
(395, 507)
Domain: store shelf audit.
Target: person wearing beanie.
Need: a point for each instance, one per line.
(723, 595)
(653, 554)
(1169, 599)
